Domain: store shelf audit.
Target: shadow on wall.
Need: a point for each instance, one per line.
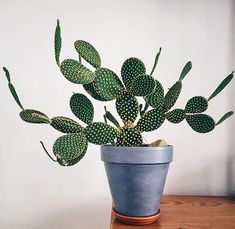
(86, 217)
(231, 133)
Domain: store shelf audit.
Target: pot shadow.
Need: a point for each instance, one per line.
(87, 217)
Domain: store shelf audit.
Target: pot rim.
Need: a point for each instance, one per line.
(136, 155)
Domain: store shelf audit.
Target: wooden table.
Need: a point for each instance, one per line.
(191, 212)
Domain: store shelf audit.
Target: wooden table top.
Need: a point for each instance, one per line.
(191, 212)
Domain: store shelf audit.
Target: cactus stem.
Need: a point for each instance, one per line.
(156, 61)
(105, 119)
(145, 109)
(111, 118)
(47, 152)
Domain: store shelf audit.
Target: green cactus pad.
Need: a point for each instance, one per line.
(34, 116)
(100, 133)
(150, 121)
(70, 146)
(82, 107)
(90, 89)
(201, 123)
(107, 84)
(108, 116)
(12, 89)
(156, 98)
(172, 96)
(76, 72)
(129, 137)
(176, 115)
(156, 61)
(185, 71)
(132, 68)
(196, 104)
(222, 85)
(142, 85)
(88, 52)
(127, 107)
(57, 43)
(66, 125)
(64, 162)
(225, 116)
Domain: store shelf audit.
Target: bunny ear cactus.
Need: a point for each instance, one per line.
(103, 84)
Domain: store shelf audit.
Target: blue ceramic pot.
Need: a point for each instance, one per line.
(136, 177)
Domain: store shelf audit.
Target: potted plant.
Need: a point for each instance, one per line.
(136, 171)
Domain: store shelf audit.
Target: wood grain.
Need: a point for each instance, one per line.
(191, 212)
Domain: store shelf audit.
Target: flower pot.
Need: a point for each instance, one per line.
(136, 177)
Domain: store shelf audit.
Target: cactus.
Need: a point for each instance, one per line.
(88, 53)
(76, 72)
(104, 85)
(107, 84)
(127, 107)
(82, 108)
(66, 125)
(70, 146)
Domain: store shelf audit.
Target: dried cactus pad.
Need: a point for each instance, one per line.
(76, 72)
(142, 85)
(127, 107)
(201, 123)
(88, 52)
(107, 84)
(66, 125)
(176, 115)
(132, 68)
(100, 133)
(82, 107)
(34, 116)
(196, 104)
(150, 121)
(64, 162)
(156, 98)
(172, 96)
(129, 137)
(90, 89)
(70, 146)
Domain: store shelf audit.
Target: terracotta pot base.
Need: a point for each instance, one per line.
(136, 220)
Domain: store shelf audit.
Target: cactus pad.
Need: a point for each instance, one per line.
(201, 123)
(100, 133)
(82, 107)
(57, 43)
(132, 68)
(66, 125)
(196, 104)
(156, 61)
(150, 121)
(107, 84)
(90, 89)
(76, 72)
(172, 96)
(156, 98)
(70, 146)
(64, 162)
(34, 116)
(127, 107)
(185, 71)
(176, 115)
(142, 85)
(224, 117)
(88, 52)
(129, 137)
(222, 85)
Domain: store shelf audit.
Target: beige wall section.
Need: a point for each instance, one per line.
(37, 194)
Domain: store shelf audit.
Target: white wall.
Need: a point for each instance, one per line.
(35, 192)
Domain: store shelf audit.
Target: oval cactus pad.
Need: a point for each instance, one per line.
(107, 84)
(82, 107)
(88, 52)
(75, 72)
(132, 68)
